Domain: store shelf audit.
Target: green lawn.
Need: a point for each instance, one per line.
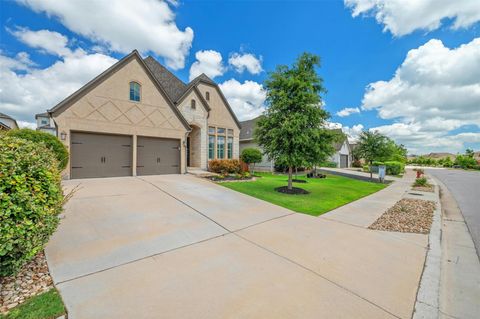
(47, 305)
(325, 194)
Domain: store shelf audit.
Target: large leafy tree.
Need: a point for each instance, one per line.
(372, 146)
(292, 131)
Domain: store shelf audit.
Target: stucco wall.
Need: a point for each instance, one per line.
(107, 109)
(220, 116)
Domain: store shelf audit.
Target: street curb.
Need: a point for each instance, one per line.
(427, 303)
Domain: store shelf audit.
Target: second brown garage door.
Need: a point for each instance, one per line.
(158, 156)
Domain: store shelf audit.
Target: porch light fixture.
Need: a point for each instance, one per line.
(63, 136)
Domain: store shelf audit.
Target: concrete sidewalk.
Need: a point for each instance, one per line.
(181, 247)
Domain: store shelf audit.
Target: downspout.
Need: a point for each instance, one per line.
(185, 146)
(208, 138)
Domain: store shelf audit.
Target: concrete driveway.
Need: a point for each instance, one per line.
(176, 246)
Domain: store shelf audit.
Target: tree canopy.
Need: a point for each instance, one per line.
(292, 130)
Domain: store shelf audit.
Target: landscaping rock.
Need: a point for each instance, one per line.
(429, 188)
(33, 279)
(407, 216)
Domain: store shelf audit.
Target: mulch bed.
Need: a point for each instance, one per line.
(229, 179)
(428, 188)
(298, 180)
(293, 191)
(407, 216)
(33, 279)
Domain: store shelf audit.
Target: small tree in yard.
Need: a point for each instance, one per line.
(292, 130)
(251, 156)
(372, 146)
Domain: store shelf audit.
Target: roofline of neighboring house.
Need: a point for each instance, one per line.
(60, 107)
(5, 126)
(246, 139)
(44, 114)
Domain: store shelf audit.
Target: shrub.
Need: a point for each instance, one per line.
(465, 161)
(394, 168)
(251, 156)
(422, 181)
(30, 199)
(225, 166)
(328, 164)
(52, 142)
(356, 163)
(366, 168)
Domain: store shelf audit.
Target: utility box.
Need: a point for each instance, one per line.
(382, 169)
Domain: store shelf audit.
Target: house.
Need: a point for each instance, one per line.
(7, 122)
(138, 118)
(342, 156)
(45, 123)
(343, 152)
(246, 141)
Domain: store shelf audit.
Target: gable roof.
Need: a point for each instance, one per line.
(173, 86)
(60, 107)
(248, 127)
(8, 117)
(203, 78)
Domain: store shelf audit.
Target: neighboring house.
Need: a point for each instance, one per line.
(137, 118)
(246, 141)
(7, 122)
(45, 123)
(342, 155)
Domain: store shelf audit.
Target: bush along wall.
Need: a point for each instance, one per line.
(30, 200)
(50, 141)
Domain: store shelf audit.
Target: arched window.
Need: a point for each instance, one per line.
(193, 104)
(207, 96)
(134, 91)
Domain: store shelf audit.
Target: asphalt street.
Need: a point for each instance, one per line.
(465, 187)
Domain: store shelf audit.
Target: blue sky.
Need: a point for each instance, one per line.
(431, 105)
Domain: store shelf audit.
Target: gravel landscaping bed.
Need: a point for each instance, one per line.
(407, 216)
(428, 188)
(33, 279)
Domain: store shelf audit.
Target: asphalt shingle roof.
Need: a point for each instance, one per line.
(172, 85)
(246, 133)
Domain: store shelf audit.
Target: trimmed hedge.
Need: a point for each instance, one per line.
(30, 200)
(328, 164)
(225, 166)
(394, 168)
(52, 142)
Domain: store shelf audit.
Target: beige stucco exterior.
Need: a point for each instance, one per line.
(106, 108)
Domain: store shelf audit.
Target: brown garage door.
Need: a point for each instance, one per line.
(157, 156)
(100, 155)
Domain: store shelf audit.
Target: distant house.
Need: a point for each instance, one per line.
(342, 156)
(246, 141)
(7, 122)
(343, 152)
(45, 123)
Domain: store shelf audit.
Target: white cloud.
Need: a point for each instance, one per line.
(35, 90)
(353, 131)
(48, 41)
(402, 17)
(348, 111)
(146, 25)
(30, 125)
(246, 61)
(247, 99)
(208, 62)
(434, 91)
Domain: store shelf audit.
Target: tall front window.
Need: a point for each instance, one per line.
(220, 146)
(211, 146)
(134, 91)
(230, 147)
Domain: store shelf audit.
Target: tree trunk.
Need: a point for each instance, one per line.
(371, 174)
(253, 173)
(290, 171)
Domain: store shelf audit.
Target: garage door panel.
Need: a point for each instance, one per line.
(100, 155)
(157, 156)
